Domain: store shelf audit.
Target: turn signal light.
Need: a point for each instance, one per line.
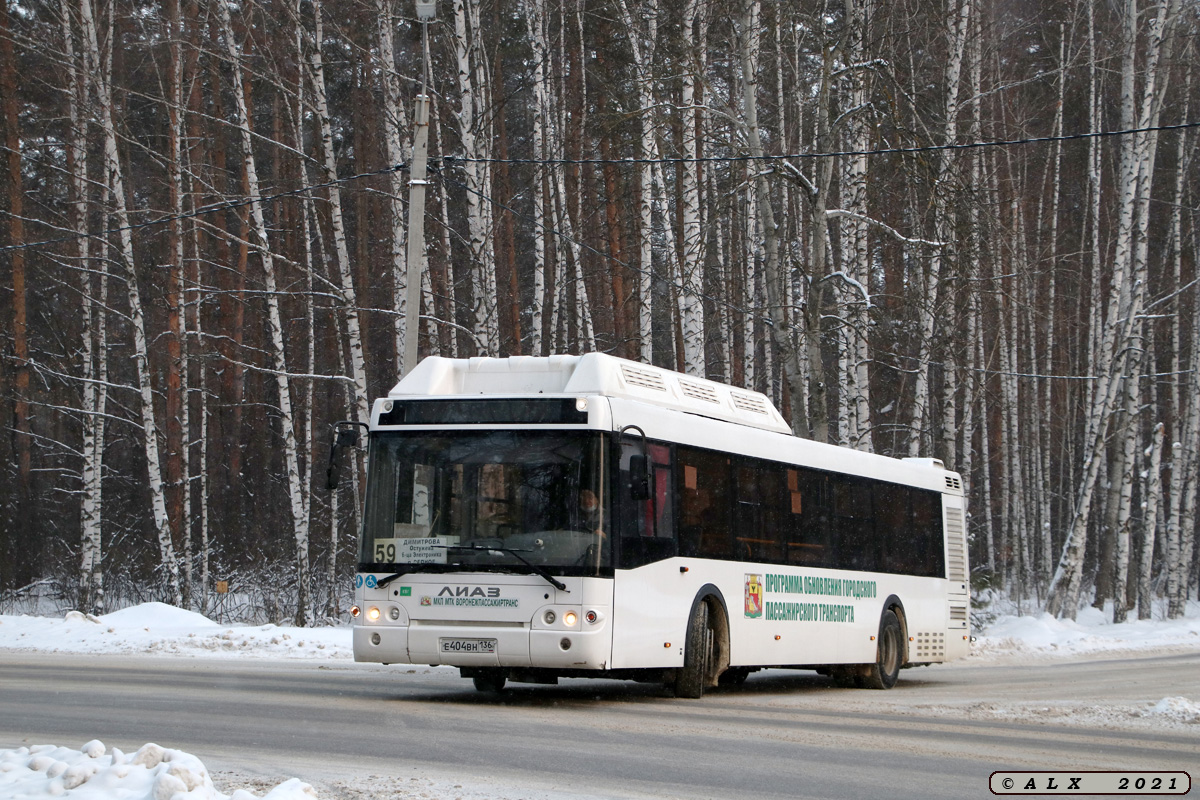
(591, 617)
(355, 611)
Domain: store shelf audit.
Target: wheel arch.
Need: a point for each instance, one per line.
(896, 606)
(709, 593)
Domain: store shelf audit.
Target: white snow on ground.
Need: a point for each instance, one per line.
(1013, 639)
(160, 629)
(95, 773)
(155, 773)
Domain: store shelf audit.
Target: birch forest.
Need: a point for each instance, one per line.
(961, 229)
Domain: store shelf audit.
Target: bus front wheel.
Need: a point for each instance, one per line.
(490, 680)
(890, 655)
(698, 655)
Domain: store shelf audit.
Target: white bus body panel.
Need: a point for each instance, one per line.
(795, 627)
(469, 606)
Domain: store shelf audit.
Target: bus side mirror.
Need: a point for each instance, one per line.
(345, 434)
(639, 478)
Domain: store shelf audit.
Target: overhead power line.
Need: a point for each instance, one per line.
(930, 148)
(224, 205)
(453, 160)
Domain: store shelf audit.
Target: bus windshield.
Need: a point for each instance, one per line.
(495, 500)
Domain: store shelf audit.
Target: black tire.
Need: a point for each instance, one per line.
(734, 676)
(491, 680)
(890, 655)
(846, 676)
(693, 676)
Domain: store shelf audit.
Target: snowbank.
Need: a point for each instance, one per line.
(94, 773)
(156, 628)
(1092, 633)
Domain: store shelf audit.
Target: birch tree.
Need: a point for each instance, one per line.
(395, 126)
(115, 182)
(1123, 321)
(958, 23)
(261, 244)
(643, 45)
(472, 125)
(94, 341)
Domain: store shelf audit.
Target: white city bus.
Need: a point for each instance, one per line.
(528, 519)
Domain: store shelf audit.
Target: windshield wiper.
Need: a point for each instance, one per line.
(385, 581)
(541, 571)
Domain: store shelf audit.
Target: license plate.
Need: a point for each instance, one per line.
(467, 645)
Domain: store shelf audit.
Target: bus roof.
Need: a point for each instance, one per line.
(590, 374)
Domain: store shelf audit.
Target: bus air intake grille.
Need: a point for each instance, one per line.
(747, 402)
(930, 646)
(958, 615)
(698, 391)
(956, 546)
(953, 483)
(644, 378)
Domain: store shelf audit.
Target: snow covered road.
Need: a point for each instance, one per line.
(279, 703)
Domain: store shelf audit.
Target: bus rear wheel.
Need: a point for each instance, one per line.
(890, 655)
(490, 680)
(698, 655)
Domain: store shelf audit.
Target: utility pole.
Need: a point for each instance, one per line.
(426, 11)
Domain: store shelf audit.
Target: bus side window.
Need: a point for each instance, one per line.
(929, 555)
(806, 523)
(660, 487)
(894, 529)
(756, 525)
(704, 502)
(646, 526)
(854, 542)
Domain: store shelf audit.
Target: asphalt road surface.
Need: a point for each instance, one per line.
(366, 731)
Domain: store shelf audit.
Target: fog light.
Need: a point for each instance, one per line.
(591, 617)
(355, 611)
(549, 617)
(570, 619)
(373, 614)
(581, 404)
(375, 638)
(394, 613)
(565, 644)
(387, 406)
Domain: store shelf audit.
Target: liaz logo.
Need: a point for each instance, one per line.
(469, 591)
